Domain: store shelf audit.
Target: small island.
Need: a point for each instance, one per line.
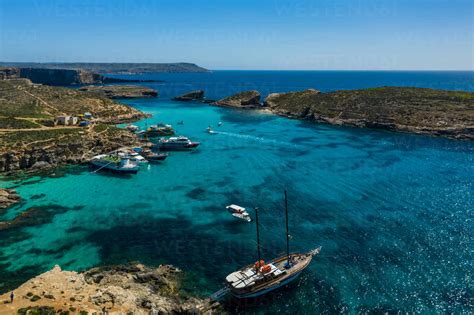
(246, 99)
(120, 91)
(197, 95)
(406, 109)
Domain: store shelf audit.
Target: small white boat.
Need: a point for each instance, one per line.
(219, 124)
(239, 212)
(114, 163)
(132, 128)
(132, 155)
(210, 131)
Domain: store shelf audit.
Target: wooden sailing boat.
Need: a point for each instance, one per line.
(259, 278)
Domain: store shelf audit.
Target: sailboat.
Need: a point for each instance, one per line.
(262, 277)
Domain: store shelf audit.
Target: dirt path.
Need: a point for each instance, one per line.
(20, 88)
(39, 128)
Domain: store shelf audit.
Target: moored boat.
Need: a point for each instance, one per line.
(154, 156)
(210, 131)
(175, 143)
(159, 130)
(257, 279)
(132, 128)
(114, 163)
(239, 212)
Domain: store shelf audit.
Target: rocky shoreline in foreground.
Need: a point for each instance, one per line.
(403, 109)
(124, 289)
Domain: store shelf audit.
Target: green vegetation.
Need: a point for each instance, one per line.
(41, 137)
(20, 98)
(35, 298)
(13, 123)
(36, 310)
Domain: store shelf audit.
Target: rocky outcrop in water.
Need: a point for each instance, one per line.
(128, 289)
(415, 110)
(8, 197)
(190, 96)
(121, 91)
(246, 99)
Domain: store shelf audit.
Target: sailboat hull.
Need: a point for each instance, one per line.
(266, 290)
(260, 286)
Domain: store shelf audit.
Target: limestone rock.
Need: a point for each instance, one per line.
(8, 197)
(190, 96)
(246, 99)
(118, 291)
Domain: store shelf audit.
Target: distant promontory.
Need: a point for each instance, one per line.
(118, 68)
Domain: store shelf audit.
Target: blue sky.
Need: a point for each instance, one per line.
(258, 34)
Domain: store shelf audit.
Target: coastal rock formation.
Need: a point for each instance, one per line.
(8, 197)
(9, 73)
(191, 96)
(246, 99)
(128, 289)
(416, 110)
(120, 91)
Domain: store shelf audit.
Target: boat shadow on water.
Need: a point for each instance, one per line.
(108, 173)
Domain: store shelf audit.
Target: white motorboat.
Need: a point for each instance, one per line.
(239, 212)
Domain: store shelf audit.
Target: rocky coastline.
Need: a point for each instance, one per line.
(123, 289)
(402, 109)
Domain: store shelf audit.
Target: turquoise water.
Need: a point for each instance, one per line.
(393, 212)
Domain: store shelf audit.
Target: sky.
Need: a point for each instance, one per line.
(243, 34)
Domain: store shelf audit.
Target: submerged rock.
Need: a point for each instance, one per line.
(8, 197)
(191, 96)
(246, 99)
(128, 289)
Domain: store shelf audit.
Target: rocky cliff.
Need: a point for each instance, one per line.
(416, 110)
(246, 99)
(61, 77)
(128, 289)
(121, 91)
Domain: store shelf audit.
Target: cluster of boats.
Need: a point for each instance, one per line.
(128, 160)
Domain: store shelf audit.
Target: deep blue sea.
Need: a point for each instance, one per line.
(393, 212)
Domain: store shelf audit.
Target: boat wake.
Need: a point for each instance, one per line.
(254, 138)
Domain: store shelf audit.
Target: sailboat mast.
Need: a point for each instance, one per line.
(258, 236)
(287, 232)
